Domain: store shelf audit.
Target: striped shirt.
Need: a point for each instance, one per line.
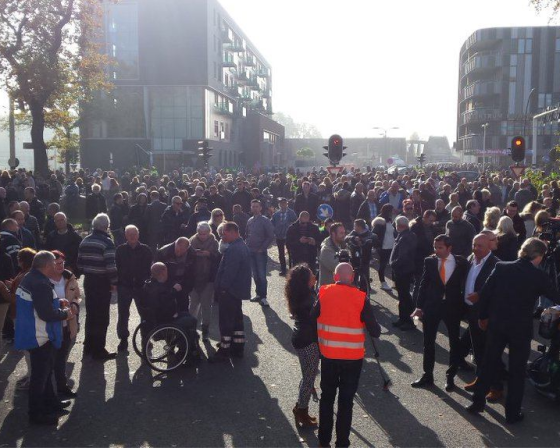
(96, 255)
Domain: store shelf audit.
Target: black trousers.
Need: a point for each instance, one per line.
(342, 375)
(231, 323)
(126, 295)
(403, 283)
(97, 290)
(41, 387)
(519, 351)
(452, 320)
(60, 360)
(384, 255)
(281, 244)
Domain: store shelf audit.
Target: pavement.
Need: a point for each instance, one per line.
(249, 402)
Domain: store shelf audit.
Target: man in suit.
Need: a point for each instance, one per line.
(440, 298)
(482, 263)
(506, 306)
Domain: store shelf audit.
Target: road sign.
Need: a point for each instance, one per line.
(14, 163)
(334, 169)
(324, 211)
(517, 171)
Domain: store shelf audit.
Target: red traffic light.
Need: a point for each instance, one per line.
(518, 142)
(518, 149)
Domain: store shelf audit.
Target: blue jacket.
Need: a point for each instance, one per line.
(281, 226)
(384, 199)
(234, 272)
(39, 317)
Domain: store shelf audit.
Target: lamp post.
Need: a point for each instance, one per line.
(484, 126)
(384, 131)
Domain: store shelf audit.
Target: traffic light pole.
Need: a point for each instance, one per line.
(535, 131)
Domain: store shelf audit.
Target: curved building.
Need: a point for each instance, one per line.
(504, 72)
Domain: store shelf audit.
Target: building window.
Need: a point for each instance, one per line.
(122, 39)
(521, 46)
(169, 117)
(216, 129)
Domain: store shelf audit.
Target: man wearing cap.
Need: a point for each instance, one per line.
(281, 220)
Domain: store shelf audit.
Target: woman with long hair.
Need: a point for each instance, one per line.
(528, 215)
(66, 287)
(300, 296)
(507, 240)
(216, 218)
(491, 218)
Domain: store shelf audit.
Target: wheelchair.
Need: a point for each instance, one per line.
(166, 347)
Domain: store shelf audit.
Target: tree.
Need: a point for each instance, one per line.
(549, 5)
(306, 153)
(49, 53)
(295, 129)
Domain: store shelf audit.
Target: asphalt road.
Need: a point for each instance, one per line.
(249, 402)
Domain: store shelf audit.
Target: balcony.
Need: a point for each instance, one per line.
(249, 61)
(480, 116)
(237, 47)
(227, 36)
(253, 83)
(228, 62)
(263, 73)
(482, 39)
(480, 89)
(223, 108)
(484, 61)
(246, 97)
(243, 78)
(267, 93)
(232, 90)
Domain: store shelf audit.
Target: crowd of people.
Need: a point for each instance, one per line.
(176, 245)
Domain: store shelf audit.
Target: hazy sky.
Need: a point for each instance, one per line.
(347, 66)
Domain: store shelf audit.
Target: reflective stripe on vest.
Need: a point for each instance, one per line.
(341, 333)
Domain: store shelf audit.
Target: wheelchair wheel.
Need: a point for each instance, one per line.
(137, 340)
(166, 348)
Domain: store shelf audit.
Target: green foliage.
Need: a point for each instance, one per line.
(295, 129)
(306, 153)
(50, 61)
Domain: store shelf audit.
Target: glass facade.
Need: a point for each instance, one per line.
(122, 39)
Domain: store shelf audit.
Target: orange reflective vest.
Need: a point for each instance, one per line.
(339, 326)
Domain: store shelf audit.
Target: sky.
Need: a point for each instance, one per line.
(348, 66)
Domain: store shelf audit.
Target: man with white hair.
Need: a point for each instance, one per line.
(134, 260)
(402, 264)
(96, 260)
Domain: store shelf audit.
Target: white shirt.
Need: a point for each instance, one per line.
(450, 264)
(473, 275)
(389, 237)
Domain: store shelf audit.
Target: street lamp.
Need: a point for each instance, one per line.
(484, 126)
(384, 132)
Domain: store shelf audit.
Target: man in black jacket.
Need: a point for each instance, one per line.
(179, 258)
(369, 209)
(174, 220)
(471, 215)
(95, 202)
(423, 228)
(134, 261)
(461, 233)
(440, 298)
(153, 219)
(306, 201)
(66, 240)
(242, 197)
(303, 241)
(507, 301)
(402, 267)
(9, 242)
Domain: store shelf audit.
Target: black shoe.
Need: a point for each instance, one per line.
(407, 326)
(123, 345)
(221, 355)
(103, 356)
(397, 323)
(475, 408)
(66, 392)
(61, 405)
(512, 419)
(44, 419)
(449, 384)
(424, 381)
(465, 366)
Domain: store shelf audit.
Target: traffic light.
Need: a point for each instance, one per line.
(518, 149)
(421, 159)
(204, 151)
(335, 149)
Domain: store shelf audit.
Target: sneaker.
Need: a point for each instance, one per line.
(385, 286)
(23, 383)
(264, 303)
(255, 299)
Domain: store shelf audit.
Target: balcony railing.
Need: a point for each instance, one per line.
(227, 36)
(263, 73)
(480, 89)
(482, 61)
(223, 108)
(228, 61)
(249, 61)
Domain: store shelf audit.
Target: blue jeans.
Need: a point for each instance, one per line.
(258, 269)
